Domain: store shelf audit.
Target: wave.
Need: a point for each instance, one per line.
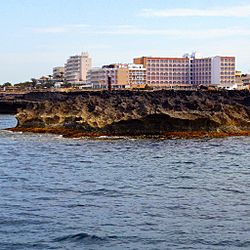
(91, 238)
(233, 190)
(79, 236)
(103, 192)
(224, 243)
(94, 239)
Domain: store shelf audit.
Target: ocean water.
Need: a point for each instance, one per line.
(58, 193)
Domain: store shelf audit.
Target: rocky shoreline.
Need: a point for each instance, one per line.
(67, 133)
(170, 114)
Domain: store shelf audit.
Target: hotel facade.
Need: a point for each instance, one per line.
(77, 67)
(216, 70)
(184, 72)
(165, 71)
(161, 71)
(122, 76)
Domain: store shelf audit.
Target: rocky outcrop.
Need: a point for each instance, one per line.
(10, 103)
(135, 113)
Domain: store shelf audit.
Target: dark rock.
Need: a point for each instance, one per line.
(132, 112)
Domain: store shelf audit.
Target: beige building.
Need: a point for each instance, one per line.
(76, 68)
(246, 79)
(58, 73)
(122, 76)
(242, 80)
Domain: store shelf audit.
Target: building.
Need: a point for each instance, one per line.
(242, 80)
(238, 80)
(164, 71)
(213, 70)
(237, 74)
(201, 71)
(136, 75)
(76, 68)
(96, 78)
(58, 73)
(246, 79)
(122, 76)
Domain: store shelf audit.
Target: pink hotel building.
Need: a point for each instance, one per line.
(164, 72)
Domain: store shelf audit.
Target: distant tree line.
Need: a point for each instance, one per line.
(35, 84)
(6, 84)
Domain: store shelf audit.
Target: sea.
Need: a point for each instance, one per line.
(122, 193)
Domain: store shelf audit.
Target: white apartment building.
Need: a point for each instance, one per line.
(223, 70)
(122, 76)
(76, 68)
(137, 75)
(218, 70)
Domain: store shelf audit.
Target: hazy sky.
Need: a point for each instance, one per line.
(37, 35)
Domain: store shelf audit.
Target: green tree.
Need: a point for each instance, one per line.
(34, 82)
(48, 85)
(7, 84)
(24, 85)
(67, 85)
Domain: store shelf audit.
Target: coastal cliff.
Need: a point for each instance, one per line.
(135, 113)
(11, 103)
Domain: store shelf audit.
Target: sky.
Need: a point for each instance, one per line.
(39, 35)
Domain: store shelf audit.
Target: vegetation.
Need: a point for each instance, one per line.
(24, 85)
(7, 84)
(67, 85)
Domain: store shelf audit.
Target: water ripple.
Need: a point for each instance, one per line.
(118, 193)
(81, 237)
